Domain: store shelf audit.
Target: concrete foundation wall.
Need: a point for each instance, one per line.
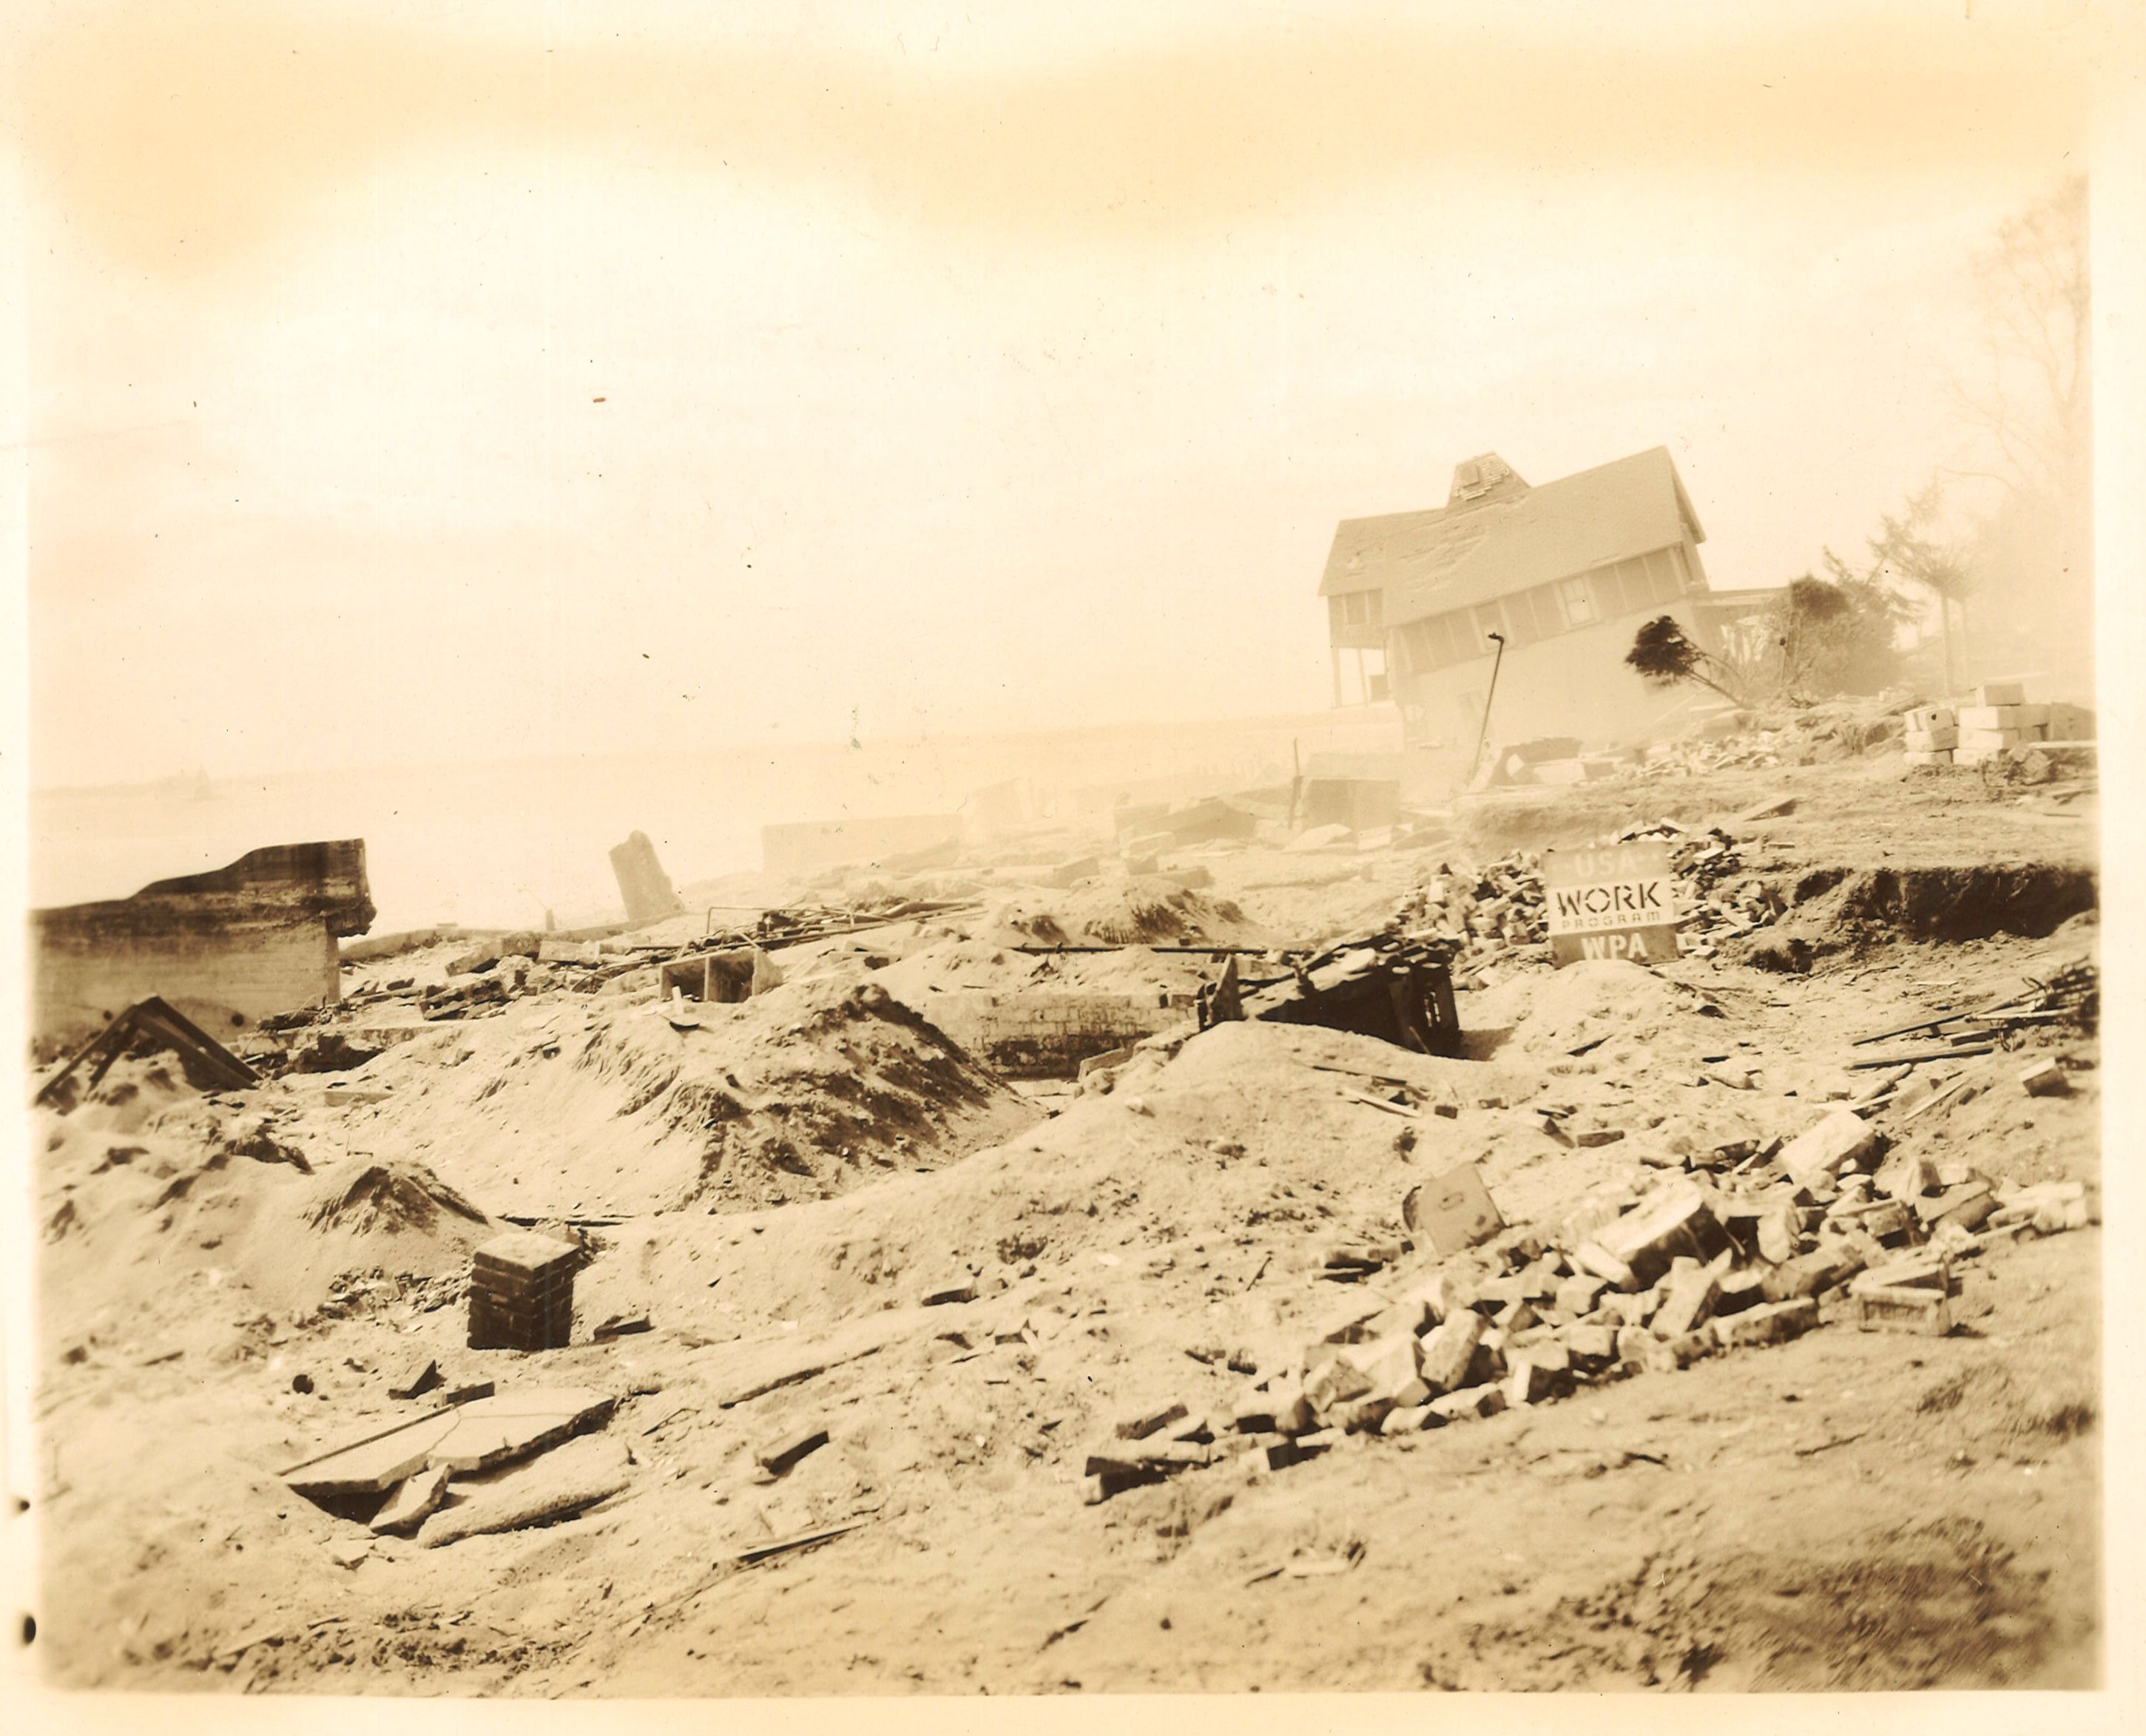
(226, 948)
(223, 976)
(1047, 1035)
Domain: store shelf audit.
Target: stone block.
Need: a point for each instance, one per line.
(1452, 1211)
(1903, 1176)
(1153, 1420)
(1469, 1402)
(1688, 1303)
(1842, 1140)
(1672, 1221)
(2042, 1078)
(1580, 1294)
(1390, 1364)
(1881, 1309)
(1448, 1349)
(1409, 1419)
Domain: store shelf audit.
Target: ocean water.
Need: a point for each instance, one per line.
(500, 845)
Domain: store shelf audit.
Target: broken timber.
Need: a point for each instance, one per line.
(172, 1030)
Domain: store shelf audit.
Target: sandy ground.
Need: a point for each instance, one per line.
(1850, 1509)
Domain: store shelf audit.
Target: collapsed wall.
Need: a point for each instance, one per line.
(228, 948)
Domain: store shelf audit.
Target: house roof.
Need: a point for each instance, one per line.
(1509, 536)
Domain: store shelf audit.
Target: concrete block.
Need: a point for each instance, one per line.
(1903, 1176)
(2001, 693)
(1469, 1402)
(1931, 741)
(1904, 1311)
(1671, 1221)
(1409, 1419)
(1842, 1140)
(1390, 1364)
(2042, 1078)
(1527, 1381)
(1591, 1347)
(1334, 1383)
(1664, 1356)
(1771, 1323)
(1539, 1280)
(1688, 1303)
(1809, 1273)
(1448, 1350)
(1152, 1421)
(1955, 1200)
(2068, 723)
(412, 1502)
(1740, 1290)
(1288, 1453)
(1919, 1271)
(1930, 717)
(1488, 1363)
(1452, 1212)
(1996, 718)
(1580, 1294)
(793, 1444)
(1359, 1416)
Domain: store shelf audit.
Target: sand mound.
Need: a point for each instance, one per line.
(1121, 913)
(1597, 1001)
(585, 1109)
(387, 1199)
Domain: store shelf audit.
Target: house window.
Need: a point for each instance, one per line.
(1357, 609)
(1575, 601)
(1634, 592)
(1489, 619)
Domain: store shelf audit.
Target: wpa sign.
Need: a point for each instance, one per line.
(1614, 903)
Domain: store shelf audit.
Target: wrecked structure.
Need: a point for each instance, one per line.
(646, 888)
(228, 948)
(1563, 574)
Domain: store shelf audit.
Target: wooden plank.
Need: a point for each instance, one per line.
(798, 1540)
(1923, 1054)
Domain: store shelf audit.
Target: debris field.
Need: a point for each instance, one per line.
(1084, 1265)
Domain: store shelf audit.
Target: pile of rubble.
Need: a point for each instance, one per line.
(1499, 916)
(1752, 1246)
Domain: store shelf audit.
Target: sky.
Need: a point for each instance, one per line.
(590, 379)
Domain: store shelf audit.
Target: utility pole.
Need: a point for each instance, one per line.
(1482, 734)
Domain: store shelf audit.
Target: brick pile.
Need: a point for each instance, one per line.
(1499, 917)
(1752, 1246)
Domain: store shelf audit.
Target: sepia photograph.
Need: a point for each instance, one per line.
(1097, 851)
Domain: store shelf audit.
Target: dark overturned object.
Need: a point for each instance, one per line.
(1399, 991)
(152, 1024)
